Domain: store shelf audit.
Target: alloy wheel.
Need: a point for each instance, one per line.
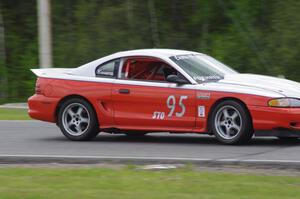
(76, 119)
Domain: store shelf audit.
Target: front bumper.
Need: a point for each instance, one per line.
(270, 118)
(42, 107)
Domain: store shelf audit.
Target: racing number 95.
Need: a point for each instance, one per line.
(171, 104)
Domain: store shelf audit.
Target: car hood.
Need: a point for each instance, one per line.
(284, 87)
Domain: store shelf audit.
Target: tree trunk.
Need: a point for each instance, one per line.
(3, 72)
(153, 24)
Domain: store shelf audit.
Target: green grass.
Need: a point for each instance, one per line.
(13, 114)
(130, 183)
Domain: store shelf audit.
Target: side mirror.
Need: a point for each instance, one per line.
(176, 79)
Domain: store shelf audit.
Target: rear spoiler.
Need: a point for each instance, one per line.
(51, 72)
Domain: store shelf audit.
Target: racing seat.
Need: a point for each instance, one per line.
(168, 71)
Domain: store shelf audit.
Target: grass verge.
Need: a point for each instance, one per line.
(131, 183)
(13, 114)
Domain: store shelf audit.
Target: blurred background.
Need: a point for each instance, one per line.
(255, 36)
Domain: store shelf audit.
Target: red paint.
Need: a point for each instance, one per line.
(134, 111)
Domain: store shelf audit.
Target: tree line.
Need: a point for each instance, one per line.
(260, 36)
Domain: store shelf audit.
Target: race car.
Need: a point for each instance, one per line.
(163, 90)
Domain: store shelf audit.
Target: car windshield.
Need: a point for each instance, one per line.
(202, 68)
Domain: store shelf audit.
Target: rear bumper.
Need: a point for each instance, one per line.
(269, 118)
(42, 108)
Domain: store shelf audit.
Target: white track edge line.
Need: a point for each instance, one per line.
(151, 158)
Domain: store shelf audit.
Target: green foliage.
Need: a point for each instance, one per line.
(13, 114)
(284, 41)
(259, 36)
(132, 183)
(20, 25)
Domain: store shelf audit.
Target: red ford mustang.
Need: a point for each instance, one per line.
(160, 90)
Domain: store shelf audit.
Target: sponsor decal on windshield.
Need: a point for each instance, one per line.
(207, 78)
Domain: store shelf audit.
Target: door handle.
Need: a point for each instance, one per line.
(124, 91)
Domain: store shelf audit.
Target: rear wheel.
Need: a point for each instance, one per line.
(77, 120)
(231, 123)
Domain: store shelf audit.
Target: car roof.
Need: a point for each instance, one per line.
(88, 69)
(154, 51)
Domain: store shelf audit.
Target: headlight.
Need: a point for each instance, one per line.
(284, 102)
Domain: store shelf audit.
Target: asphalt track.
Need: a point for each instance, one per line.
(33, 141)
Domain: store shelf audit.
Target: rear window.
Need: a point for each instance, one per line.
(108, 69)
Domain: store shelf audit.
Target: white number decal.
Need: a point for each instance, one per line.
(182, 106)
(171, 104)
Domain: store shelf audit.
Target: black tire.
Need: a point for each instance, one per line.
(85, 122)
(231, 123)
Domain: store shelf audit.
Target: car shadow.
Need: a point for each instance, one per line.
(153, 138)
(193, 139)
(180, 139)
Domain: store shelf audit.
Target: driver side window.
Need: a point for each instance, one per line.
(147, 69)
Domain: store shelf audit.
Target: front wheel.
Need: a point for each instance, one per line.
(231, 123)
(77, 120)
